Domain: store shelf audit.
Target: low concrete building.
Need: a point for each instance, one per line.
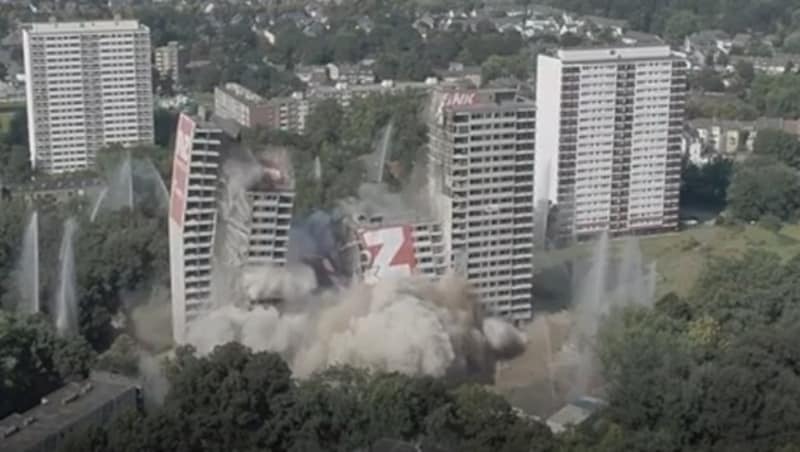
(248, 109)
(167, 61)
(772, 65)
(69, 410)
(353, 74)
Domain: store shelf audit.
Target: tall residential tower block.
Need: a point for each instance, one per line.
(89, 85)
(608, 139)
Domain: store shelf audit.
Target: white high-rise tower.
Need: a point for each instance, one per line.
(608, 139)
(89, 84)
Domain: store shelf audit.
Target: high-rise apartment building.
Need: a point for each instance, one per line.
(167, 61)
(608, 139)
(482, 152)
(192, 219)
(230, 208)
(89, 84)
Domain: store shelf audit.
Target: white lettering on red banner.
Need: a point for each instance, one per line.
(391, 252)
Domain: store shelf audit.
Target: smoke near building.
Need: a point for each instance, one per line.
(369, 284)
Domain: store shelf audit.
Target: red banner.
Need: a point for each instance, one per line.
(180, 168)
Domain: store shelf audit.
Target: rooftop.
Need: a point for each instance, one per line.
(574, 413)
(60, 409)
(455, 98)
(89, 26)
(241, 93)
(633, 52)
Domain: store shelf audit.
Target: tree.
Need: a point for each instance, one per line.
(165, 123)
(235, 399)
(499, 66)
(780, 145)
(478, 420)
(15, 164)
(777, 95)
(681, 24)
(116, 253)
(3, 71)
(35, 361)
(754, 289)
(708, 80)
(121, 357)
(745, 71)
(706, 186)
(763, 186)
(791, 43)
(18, 129)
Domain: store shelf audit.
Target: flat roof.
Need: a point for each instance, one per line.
(633, 52)
(56, 416)
(85, 26)
(241, 93)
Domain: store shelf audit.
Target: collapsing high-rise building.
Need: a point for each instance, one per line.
(390, 235)
(245, 222)
(482, 160)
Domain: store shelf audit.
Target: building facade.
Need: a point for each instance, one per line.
(394, 237)
(89, 84)
(230, 208)
(608, 139)
(248, 109)
(70, 410)
(271, 218)
(192, 219)
(482, 150)
(167, 61)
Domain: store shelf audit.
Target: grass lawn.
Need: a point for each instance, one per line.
(681, 256)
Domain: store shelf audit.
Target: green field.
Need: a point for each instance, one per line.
(681, 256)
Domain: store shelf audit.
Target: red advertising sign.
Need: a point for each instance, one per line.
(454, 99)
(180, 168)
(391, 252)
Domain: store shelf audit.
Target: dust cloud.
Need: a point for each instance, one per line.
(415, 326)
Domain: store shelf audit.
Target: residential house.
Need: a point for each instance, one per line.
(694, 148)
(540, 25)
(617, 26)
(457, 71)
(631, 38)
(365, 24)
(773, 65)
(312, 75)
(707, 44)
(424, 24)
(741, 42)
(728, 137)
(353, 74)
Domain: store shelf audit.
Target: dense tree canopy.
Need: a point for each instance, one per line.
(706, 186)
(235, 399)
(659, 16)
(717, 371)
(34, 361)
(777, 95)
(780, 145)
(763, 186)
